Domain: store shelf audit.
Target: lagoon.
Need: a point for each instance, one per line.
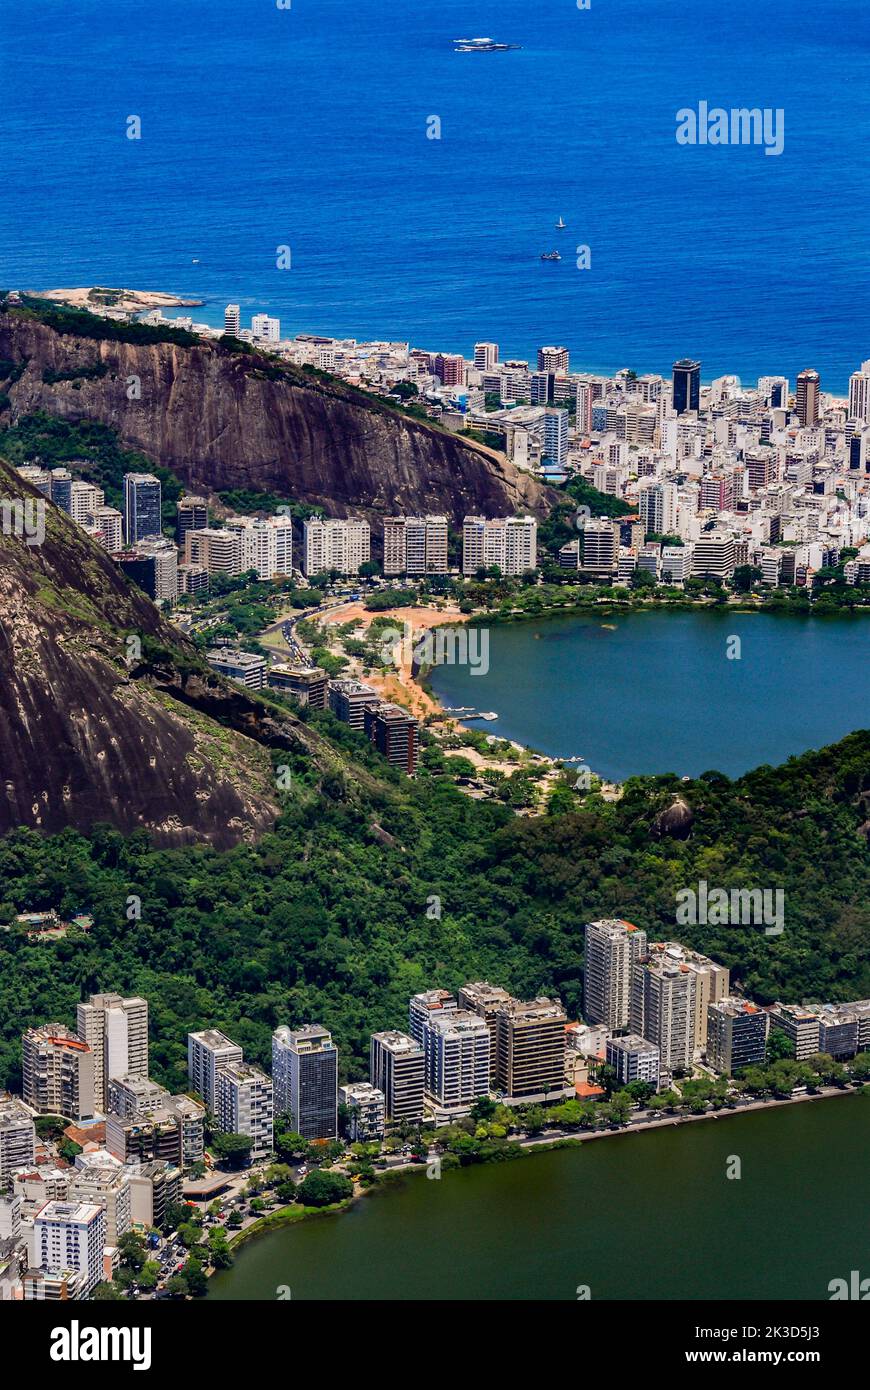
(634, 1217)
(655, 691)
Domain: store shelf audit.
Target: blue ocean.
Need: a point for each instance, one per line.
(308, 127)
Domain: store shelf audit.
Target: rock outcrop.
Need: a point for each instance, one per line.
(221, 419)
(88, 732)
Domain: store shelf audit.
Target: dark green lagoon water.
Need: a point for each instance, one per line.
(642, 1216)
(655, 692)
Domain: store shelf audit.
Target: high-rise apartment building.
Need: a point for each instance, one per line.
(208, 1053)
(247, 668)
(142, 507)
(305, 1076)
(485, 356)
(807, 398)
(397, 1068)
(17, 1138)
(553, 359)
(395, 733)
(108, 525)
(191, 514)
(265, 329)
(457, 1060)
(486, 1000)
(530, 1051)
(233, 320)
(349, 701)
(687, 385)
(307, 684)
(663, 1009)
(712, 982)
(600, 545)
(84, 499)
(71, 1236)
(859, 394)
(657, 504)
(244, 1106)
(117, 1031)
(415, 545)
(508, 543)
(449, 369)
(335, 544)
(555, 437)
(715, 555)
(736, 1035)
(58, 1071)
(612, 951)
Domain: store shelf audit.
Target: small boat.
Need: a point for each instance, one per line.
(485, 45)
(561, 225)
(550, 256)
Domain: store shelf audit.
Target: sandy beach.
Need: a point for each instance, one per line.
(401, 686)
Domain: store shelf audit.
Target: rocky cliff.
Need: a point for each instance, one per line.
(221, 419)
(106, 714)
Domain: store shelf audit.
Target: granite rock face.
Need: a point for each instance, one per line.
(90, 733)
(221, 419)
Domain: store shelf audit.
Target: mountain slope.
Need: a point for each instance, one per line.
(85, 737)
(222, 419)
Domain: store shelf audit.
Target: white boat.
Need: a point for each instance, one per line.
(561, 224)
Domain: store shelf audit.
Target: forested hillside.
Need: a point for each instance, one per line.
(334, 915)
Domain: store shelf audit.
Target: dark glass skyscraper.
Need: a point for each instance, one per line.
(687, 385)
(142, 509)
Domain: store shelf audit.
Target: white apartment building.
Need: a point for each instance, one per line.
(208, 1054)
(612, 949)
(244, 1106)
(859, 394)
(215, 549)
(714, 554)
(265, 329)
(71, 1236)
(264, 544)
(108, 524)
(17, 1138)
(366, 1111)
(106, 1185)
(165, 557)
(457, 1047)
(84, 499)
(600, 546)
(415, 545)
(663, 1009)
(510, 543)
(633, 1059)
(657, 504)
(116, 1030)
(333, 543)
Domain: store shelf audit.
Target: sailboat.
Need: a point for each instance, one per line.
(561, 224)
